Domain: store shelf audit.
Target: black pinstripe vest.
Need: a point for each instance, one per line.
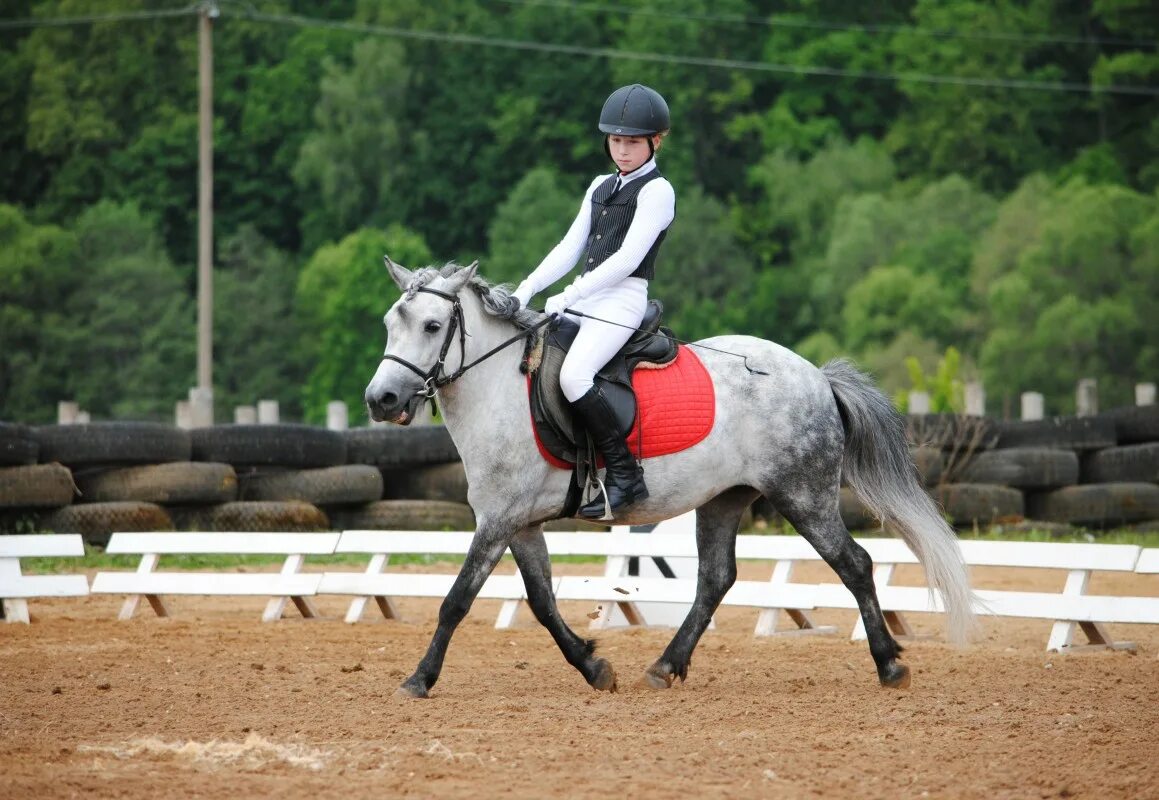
(611, 217)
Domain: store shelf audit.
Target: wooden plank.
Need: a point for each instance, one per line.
(1148, 561)
(230, 543)
(205, 583)
(31, 586)
(399, 584)
(50, 545)
(1051, 555)
(395, 542)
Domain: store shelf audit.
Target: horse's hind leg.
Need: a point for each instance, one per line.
(534, 564)
(486, 549)
(816, 517)
(716, 526)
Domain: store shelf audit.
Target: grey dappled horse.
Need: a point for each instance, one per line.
(783, 428)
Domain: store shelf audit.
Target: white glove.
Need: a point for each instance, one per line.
(558, 302)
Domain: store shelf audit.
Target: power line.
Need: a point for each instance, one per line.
(695, 61)
(780, 21)
(90, 19)
(600, 52)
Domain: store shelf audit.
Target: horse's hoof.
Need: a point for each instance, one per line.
(412, 689)
(604, 679)
(895, 676)
(655, 678)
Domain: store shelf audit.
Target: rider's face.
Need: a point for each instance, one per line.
(629, 152)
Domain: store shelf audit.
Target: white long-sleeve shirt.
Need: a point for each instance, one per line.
(655, 210)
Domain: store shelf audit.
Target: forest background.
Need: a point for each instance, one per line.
(966, 183)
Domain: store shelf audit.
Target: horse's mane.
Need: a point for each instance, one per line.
(497, 300)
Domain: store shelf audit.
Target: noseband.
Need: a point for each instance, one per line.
(436, 377)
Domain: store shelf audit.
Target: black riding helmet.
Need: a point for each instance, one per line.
(634, 110)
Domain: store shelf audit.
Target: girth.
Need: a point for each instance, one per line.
(551, 413)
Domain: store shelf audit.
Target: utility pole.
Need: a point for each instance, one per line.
(202, 397)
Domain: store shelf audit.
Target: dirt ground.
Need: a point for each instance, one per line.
(211, 703)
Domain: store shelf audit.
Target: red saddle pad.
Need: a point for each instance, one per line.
(676, 406)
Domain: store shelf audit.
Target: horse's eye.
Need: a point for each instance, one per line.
(432, 327)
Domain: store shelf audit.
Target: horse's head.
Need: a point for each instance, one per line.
(422, 329)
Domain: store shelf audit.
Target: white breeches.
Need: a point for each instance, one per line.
(596, 342)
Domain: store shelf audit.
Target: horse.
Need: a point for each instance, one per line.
(783, 428)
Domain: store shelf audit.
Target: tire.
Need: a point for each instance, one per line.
(1058, 433)
(36, 486)
(1135, 424)
(342, 485)
(979, 504)
(855, 515)
(1097, 505)
(271, 515)
(101, 443)
(1135, 463)
(951, 431)
(407, 515)
(18, 445)
(97, 521)
(395, 446)
(175, 483)
(1023, 468)
(301, 446)
(442, 482)
(930, 462)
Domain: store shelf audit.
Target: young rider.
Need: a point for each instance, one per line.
(621, 223)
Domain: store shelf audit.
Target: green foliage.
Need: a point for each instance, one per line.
(342, 295)
(528, 224)
(946, 389)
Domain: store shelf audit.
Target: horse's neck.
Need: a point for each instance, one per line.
(482, 404)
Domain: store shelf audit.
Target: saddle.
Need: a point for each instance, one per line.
(562, 435)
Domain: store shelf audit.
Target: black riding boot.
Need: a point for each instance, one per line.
(624, 480)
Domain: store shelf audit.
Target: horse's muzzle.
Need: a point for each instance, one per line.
(389, 407)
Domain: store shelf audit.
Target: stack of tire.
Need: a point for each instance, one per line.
(1091, 472)
(98, 478)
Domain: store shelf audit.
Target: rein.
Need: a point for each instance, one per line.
(436, 377)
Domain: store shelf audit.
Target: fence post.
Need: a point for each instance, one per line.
(1086, 398)
(1032, 405)
(66, 412)
(267, 412)
(919, 402)
(1144, 394)
(245, 415)
(337, 418)
(975, 399)
(183, 415)
(201, 406)
(83, 418)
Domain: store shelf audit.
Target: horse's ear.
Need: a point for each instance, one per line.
(460, 278)
(398, 273)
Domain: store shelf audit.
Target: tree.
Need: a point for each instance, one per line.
(342, 294)
(256, 349)
(38, 264)
(530, 222)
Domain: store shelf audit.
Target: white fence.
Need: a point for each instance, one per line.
(633, 599)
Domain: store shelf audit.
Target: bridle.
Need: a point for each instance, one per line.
(437, 377)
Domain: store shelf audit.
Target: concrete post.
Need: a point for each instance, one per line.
(183, 415)
(919, 402)
(1086, 397)
(337, 417)
(66, 412)
(1144, 394)
(975, 399)
(201, 403)
(1032, 405)
(267, 412)
(83, 418)
(245, 415)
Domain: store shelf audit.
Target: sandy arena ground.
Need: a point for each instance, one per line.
(211, 703)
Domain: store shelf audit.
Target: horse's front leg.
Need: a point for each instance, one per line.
(534, 563)
(486, 549)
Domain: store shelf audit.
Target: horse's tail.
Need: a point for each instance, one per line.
(879, 469)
